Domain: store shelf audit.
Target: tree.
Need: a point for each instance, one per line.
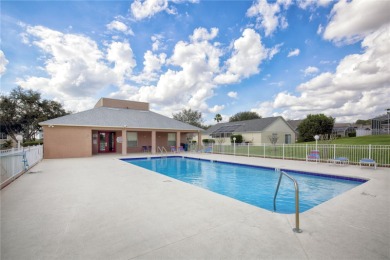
(312, 125)
(189, 116)
(239, 139)
(363, 122)
(241, 116)
(22, 110)
(218, 118)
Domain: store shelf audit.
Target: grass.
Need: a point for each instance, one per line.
(327, 150)
(361, 140)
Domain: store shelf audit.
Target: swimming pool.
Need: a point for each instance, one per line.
(251, 184)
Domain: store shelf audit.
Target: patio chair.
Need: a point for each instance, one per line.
(340, 160)
(173, 149)
(181, 149)
(313, 156)
(368, 162)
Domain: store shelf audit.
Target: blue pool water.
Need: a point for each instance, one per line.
(251, 184)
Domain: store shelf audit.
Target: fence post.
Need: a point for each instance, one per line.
(283, 151)
(369, 151)
(264, 150)
(306, 153)
(248, 149)
(334, 151)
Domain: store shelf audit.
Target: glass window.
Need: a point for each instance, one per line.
(171, 139)
(132, 139)
(287, 139)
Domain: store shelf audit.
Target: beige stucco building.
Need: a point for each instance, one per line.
(114, 126)
(257, 131)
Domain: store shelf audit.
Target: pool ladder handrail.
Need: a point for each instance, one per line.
(296, 229)
(162, 149)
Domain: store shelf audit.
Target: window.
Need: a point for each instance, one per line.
(132, 139)
(287, 139)
(171, 139)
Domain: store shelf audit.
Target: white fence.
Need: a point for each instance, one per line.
(380, 153)
(15, 162)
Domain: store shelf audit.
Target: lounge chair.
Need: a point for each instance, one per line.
(313, 156)
(340, 160)
(368, 162)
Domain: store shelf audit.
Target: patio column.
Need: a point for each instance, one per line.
(124, 142)
(199, 140)
(153, 142)
(177, 140)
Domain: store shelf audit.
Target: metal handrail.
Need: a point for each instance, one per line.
(296, 229)
(162, 149)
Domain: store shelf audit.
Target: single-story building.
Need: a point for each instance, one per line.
(114, 126)
(254, 131)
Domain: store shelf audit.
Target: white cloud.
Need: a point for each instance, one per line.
(147, 8)
(119, 26)
(156, 39)
(248, 53)
(270, 15)
(152, 65)
(189, 81)
(3, 63)
(346, 27)
(357, 89)
(313, 3)
(320, 29)
(293, 53)
(310, 71)
(267, 15)
(201, 34)
(232, 94)
(122, 55)
(75, 67)
(215, 109)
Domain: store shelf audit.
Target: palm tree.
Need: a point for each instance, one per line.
(218, 118)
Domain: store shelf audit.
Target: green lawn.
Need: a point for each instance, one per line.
(361, 140)
(353, 148)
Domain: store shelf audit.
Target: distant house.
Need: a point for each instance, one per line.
(381, 124)
(343, 129)
(294, 124)
(254, 131)
(113, 126)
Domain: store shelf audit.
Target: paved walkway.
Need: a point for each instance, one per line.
(103, 208)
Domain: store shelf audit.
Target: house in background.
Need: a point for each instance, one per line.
(113, 126)
(254, 131)
(294, 124)
(343, 129)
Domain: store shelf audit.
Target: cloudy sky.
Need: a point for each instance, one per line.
(284, 57)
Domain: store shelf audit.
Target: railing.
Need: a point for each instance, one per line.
(162, 149)
(380, 153)
(296, 229)
(14, 162)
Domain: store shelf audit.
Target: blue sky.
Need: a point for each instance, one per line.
(288, 58)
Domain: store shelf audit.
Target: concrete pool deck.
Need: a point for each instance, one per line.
(104, 208)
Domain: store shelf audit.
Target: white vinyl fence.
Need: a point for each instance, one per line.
(380, 153)
(15, 162)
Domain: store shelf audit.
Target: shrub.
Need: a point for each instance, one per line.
(32, 143)
(239, 139)
(208, 141)
(352, 134)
